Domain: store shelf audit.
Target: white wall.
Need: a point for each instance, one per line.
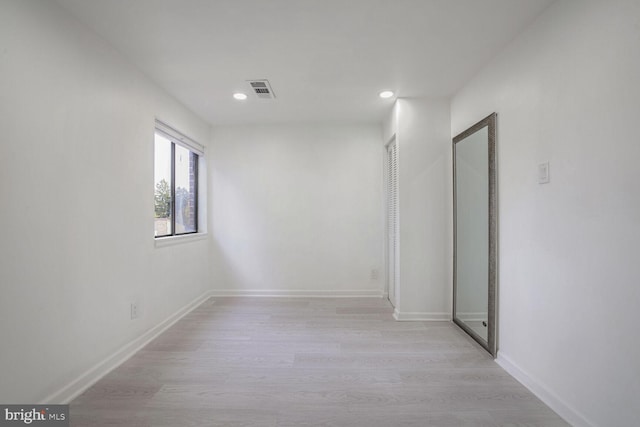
(76, 181)
(297, 209)
(567, 91)
(422, 128)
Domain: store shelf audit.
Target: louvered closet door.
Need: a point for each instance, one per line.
(392, 219)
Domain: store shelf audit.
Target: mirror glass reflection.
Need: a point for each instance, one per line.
(472, 237)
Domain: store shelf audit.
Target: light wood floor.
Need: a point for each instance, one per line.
(309, 362)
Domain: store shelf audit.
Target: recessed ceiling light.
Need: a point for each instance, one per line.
(386, 94)
(240, 96)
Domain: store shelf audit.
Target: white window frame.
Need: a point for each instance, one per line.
(192, 145)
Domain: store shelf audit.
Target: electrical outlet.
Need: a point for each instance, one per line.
(374, 274)
(135, 310)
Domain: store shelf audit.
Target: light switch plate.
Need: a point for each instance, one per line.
(543, 173)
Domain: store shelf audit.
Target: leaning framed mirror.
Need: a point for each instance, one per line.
(475, 232)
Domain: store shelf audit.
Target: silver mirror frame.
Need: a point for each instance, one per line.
(490, 344)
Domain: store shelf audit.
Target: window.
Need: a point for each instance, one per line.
(176, 182)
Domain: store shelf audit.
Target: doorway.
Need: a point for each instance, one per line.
(392, 219)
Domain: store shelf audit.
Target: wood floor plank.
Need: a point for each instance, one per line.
(309, 362)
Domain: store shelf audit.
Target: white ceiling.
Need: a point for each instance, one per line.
(326, 59)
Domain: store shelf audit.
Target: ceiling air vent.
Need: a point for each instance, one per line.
(262, 89)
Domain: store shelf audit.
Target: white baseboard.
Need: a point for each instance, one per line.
(76, 387)
(403, 316)
(471, 316)
(569, 414)
(296, 293)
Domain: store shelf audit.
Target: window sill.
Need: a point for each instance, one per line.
(162, 242)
